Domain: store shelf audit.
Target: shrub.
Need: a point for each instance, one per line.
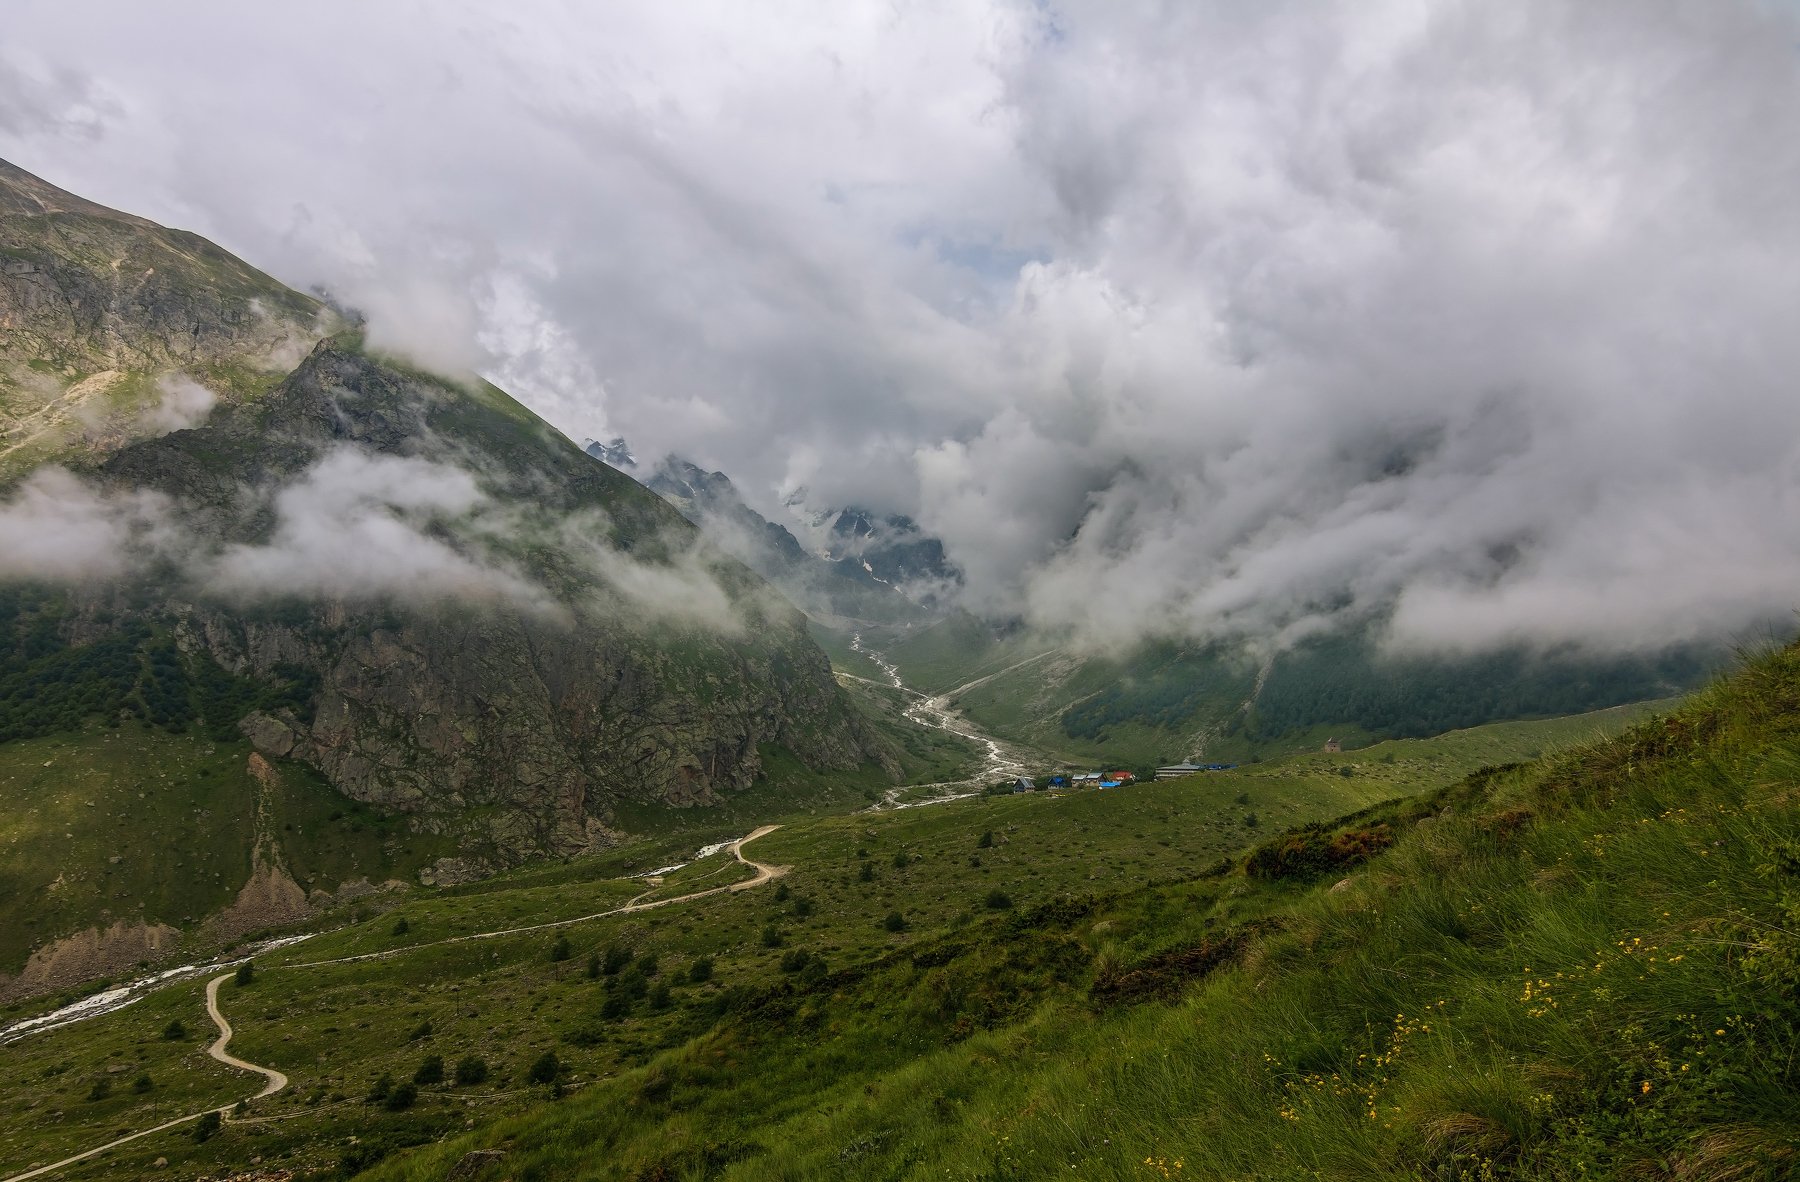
(866, 873)
(701, 969)
(422, 1030)
(142, 1083)
(617, 1005)
(1346, 771)
(998, 900)
(431, 1071)
(660, 997)
(544, 1069)
(401, 927)
(781, 892)
(985, 841)
(560, 950)
(895, 922)
(246, 973)
(401, 1097)
(174, 1031)
(802, 908)
(646, 964)
(378, 1091)
(902, 859)
(617, 957)
(470, 1070)
(1313, 851)
(794, 960)
(101, 1090)
(771, 936)
(206, 1127)
(593, 965)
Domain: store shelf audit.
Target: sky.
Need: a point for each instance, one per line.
(1183, 319)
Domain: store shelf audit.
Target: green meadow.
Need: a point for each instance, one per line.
(960, 940)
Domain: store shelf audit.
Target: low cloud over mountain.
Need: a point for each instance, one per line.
(1207, 319)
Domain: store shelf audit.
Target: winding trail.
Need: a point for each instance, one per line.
(274, 1080)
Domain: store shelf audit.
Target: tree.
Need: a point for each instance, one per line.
(771, 936)
(378, 1091)
(660, 997)
(701, 969)
(866, 873)
(593, 965)
(246, 973)
(985, 841)
(617, 957)
(402, 1097)
(544, 1069)
(142, 1083)
(401, 927)
(470, 1070)
(208, 1125)
(646, 964)
(781, 892)
(902, 860)
(895, 922)
(560, 950)
(431, 1071)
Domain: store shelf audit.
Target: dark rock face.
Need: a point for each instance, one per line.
(844, 591)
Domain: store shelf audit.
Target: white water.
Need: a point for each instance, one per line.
(110, 1000)
(998, 762)
(705, 851)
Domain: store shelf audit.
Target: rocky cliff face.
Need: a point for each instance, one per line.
(520, 721)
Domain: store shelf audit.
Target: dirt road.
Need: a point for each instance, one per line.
(275, 1080)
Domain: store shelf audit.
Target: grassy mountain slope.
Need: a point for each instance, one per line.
(96, 304)
(808, 1000)
(1585, 967)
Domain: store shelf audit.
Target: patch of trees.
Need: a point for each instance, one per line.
(49, 685)
(1343, 679)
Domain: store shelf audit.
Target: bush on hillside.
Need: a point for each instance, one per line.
(1315, 850)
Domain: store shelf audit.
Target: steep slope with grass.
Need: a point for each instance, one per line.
(1581, 967)
(96, 306)
(894, 937)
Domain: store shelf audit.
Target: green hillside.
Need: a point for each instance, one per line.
(1012, 914)
(1584, 967)
(1161, 702)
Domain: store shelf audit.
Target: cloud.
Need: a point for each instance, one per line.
(183, 403)
(55, 528)
(1213, 319)
(358, 526)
